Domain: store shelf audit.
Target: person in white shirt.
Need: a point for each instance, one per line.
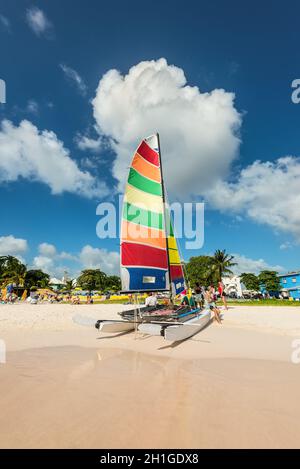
(151, 300)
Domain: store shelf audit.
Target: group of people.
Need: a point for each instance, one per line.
(8, 298)
(36, 298)
(207, 297)
(202, 297)
(7, 295)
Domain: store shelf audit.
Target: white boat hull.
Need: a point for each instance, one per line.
(172, 332)
(150, 328)
(116, 326)
(188, 328)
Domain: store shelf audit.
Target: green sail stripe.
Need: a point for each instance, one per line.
(170, 223)
(140, 182)
(171, 231)
(143, 217)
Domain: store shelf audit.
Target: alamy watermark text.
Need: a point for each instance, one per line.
(2, 352)
(2, 92)
(296, 93)
(137, 222)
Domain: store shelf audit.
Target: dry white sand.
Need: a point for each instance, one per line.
(67, 385)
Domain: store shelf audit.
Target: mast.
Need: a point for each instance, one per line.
(165, 217)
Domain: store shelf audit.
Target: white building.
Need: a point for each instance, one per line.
(233, 285)
(56, 284)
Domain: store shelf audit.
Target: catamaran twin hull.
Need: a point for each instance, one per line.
(172, 329)
(179, 330)
(127, 324)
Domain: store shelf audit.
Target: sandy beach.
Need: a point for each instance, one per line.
(66, 385)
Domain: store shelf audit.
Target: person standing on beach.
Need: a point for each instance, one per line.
(10, 290)
(209, 303)
(221, 290)
(198, 295)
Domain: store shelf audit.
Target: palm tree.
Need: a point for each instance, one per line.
(12, 271)
(222, 263)
(69, 285)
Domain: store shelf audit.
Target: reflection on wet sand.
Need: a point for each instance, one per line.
(71, 397)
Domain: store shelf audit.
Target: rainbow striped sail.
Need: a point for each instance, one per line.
(149, 254)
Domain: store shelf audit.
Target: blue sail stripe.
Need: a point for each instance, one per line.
(146, 279)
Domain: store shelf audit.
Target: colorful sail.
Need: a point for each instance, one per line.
(177, 280)
(150, 258)
(144, 256)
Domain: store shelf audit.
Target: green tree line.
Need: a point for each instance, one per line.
(13, 271)
(267, 279)
(207, 270)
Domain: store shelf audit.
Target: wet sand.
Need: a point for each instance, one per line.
(70, 397)
(64, 385)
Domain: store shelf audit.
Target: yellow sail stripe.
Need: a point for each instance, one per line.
(172, 243)
(174, 256)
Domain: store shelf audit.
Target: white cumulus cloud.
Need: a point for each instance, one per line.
(50, 260)
(254, 266)
(268, 192)
(56, 263)
(9, 245)
(86, 143)
(40, 156)
(38, 21)
(96, 258)
(44, 263)
(46, 249)
(200, 141)
(199, 131)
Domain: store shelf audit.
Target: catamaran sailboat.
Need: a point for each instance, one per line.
(150, 260)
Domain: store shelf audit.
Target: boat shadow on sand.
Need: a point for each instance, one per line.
(114, 335)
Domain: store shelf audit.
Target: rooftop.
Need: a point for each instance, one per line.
(289, 274)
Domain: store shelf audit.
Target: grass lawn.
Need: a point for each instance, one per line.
(241, 302)
(271, 302)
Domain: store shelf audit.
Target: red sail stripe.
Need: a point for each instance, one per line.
(148, 154)
(147, 256)
(176, 271)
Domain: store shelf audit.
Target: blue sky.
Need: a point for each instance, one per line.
(53, 55)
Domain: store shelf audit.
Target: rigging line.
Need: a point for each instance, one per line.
(164, 212)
